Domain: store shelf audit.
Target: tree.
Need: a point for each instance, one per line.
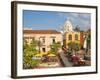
(74, 45)
(77, 28)
(54, 47)
(29, 50)
(88, 38)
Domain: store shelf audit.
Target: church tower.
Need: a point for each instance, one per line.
(68, 27)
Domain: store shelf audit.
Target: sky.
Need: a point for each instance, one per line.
(54, 20)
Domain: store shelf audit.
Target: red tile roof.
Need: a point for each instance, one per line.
(41, 32)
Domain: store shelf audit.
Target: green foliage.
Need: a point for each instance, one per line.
(77, 28)
(34, 43)
(29, 50)
(88, 38)
(74, 45)
(34, 63)
(54, 47)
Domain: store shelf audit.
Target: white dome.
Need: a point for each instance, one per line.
(68, 26)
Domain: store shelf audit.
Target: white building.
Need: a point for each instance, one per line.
(68, 27)
(46, 37)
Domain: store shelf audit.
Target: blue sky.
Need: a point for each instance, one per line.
(54, 20)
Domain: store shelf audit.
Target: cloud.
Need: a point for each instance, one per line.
(81, 19)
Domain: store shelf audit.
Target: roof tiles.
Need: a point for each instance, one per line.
(41, 32)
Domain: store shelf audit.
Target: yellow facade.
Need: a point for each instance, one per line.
(71, 37)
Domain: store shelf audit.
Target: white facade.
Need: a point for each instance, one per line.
(45, 40)
(68, 27)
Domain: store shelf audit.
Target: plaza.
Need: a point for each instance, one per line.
(65, 48)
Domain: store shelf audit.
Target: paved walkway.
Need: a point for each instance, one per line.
(64, 60)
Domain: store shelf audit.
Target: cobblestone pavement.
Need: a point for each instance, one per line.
(65, 60)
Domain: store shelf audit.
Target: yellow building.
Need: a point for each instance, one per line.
(70, 35)
(76, 37)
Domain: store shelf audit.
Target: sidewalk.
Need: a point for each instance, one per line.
(64, 60)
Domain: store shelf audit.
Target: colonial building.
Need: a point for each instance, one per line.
(76, 37)
(45, 37)
(68, 27)
(70, 35)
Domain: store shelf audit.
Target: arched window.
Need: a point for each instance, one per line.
(76, 36)
(70, 37)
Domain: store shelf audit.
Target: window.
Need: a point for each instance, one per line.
(43, 49)
(43, 40)
(70, 37)
(32, 39)
(53, 40)
(76, 36)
